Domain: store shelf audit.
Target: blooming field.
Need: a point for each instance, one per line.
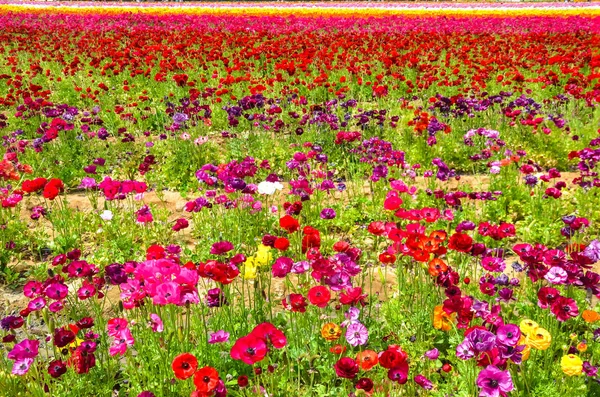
(299, 200)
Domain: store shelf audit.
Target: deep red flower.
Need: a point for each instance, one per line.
(460, 242)
(295, 303)
(393, 357)
(346, 367)
(184, 365)
(57, 368)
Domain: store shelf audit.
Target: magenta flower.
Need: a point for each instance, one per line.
(494, 382)
(219, 337)
(166, 293)
(282, 267)
(423, 382)
(357, 334)
(156, 323)
(116, 326)
(564, 308)
(27, 348)
(36, 304)
(221, 247)
(508, 335)
(56, 291)
(432, 354)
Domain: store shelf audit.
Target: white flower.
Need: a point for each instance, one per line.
(107, 215)
(269, 187)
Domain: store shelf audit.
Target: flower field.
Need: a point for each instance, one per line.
(299, 199)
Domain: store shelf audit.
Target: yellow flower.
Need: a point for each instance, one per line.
(331, 332)
(249, 271)
(528, 326)
(263, 256)
(527, 350)
(571, 365)
(75, 344)
(540, 339)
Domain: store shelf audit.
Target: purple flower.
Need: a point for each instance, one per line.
(219, 337)
(328, 213)
(508, 335)
(215, 298)
(592, 251)
(357, 334)
(493, 381)
(481, 340)
(432, 354)
(465, 350)
(589, 369)
(556, 275)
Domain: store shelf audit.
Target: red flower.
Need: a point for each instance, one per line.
(319, 296)
(337, 349)
(460, 242)
(249, 349)
(282, 243)
(393, 357)
(311, 239)
(30, 186)
(289, 224)
(352, 296)
(346, 367)
(269, 333)
(206, 379)
(53, 188)
(295, 303)
(184, 365)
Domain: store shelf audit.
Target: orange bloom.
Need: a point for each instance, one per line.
(367, 359)
(441, 319)
(337, 349)
(590, 316)
(437, 266)
(331, 332)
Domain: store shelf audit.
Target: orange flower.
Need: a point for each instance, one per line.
(441, 319)
(331, 332)
(437, 266)
(337, 349)
(590, 316)
(367, 359)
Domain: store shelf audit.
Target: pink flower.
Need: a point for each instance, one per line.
(219, 337)
(169, 292)
(156, 323)
(21, 367)
(120, 343)
(116, 326)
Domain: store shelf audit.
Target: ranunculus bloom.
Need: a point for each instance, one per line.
(206, 380)
(319, 296)
(249, 349)
(571, 365)
(367, 359)
(494, 382)
(357, 334)
(346, 367)
(331, 332)
(184, 365)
